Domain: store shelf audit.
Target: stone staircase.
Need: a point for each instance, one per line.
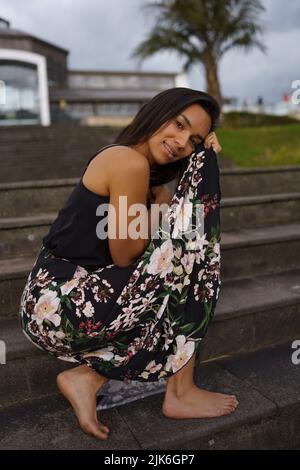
(247, 350)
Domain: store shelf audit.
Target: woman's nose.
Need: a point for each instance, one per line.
(182, 140)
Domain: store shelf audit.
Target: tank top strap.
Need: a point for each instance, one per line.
(95, 154)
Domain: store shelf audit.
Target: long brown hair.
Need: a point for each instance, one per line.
(158, 111)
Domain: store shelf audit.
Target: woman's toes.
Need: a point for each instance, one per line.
(96, 430)
(100, 435)
(228, 403)
(104, 428)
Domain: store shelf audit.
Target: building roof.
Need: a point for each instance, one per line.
(122, 72)
(17, 33)
(100, 95)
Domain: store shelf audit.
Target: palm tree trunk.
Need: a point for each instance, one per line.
(212, 78)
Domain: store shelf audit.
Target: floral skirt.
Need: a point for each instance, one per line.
(145, 321)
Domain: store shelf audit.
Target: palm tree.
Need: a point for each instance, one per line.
(202, 31)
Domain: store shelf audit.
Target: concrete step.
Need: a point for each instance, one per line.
(48, 195)
(31, 198)
(49, 153)
(39, 133)
(259, 211)
(22, 235)
(253, 252)
(259, 181)
(266, 384)
(28, 198)
(244, 254)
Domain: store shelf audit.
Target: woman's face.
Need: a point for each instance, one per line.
(178, 138)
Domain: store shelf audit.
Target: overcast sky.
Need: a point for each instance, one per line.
(101, 35)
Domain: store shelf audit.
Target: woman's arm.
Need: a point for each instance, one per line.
(128, 176)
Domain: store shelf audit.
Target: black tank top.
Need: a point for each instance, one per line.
(73, 233)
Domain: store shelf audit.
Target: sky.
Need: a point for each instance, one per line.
(102, 34)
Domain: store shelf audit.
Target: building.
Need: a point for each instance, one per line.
(36, 86)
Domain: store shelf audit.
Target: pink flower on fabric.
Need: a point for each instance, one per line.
(80, 272)
(46, 308)
(184, 352)
(68, 286)
(161, 259)
(188, 262)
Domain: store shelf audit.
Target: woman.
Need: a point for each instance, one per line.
(131, 307)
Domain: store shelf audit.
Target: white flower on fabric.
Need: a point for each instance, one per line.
(46, 307)
(80, 272)
(147, 301)
(162, 374)
(88, 309)
(183, 217)
(129, 319)
(178, 270)
(184, 352)
(201, 242)
(119, 359)
(51, 335)
(60, 335)
(105, 353)
(217, 248)
(144, 375)
(152, 367)
(116, 324)
(201, 274)
(163, 306)
(68, 286)
(161, 259)
(179, 287)
(79, 297)
(199, 160)
(209, 290)
(191, 245)
(188, 262)
(67, 358)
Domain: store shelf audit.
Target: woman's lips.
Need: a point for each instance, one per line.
(168, 151)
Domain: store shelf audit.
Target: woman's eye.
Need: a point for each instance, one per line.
(179, 124)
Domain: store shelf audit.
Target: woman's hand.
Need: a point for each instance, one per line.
(212, 141)
(160, 195)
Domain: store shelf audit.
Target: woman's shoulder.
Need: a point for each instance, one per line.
(124, 157)
(114, 161)
(120, 155)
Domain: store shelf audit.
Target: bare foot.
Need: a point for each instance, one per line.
(198, 403)
(79, 386)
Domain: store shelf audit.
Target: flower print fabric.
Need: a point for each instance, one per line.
(144, 322)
